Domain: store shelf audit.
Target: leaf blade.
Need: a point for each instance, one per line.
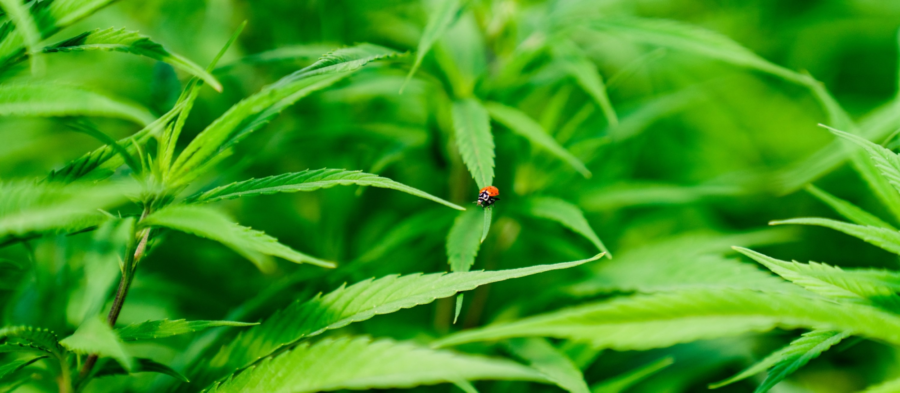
(472, 128)
(167, 328)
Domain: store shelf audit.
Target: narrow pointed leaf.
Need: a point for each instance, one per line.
(621, 383)
(19, 14)
(151, 330)
(121, 40)
(885, 160)
(96, 337)
(887, 239)
(847, 209)
(789, 359)
(208, 223)
(438, 22)
(257, 110)
(661, 320)
(359, 363)
(464, 240)
(309, 180)
(523, 125)
(832, 281)
(15, 365)
(53, 99)
(543, 357)
(474, 139)
(486, 223)
(141, 365)
(346, 305)
(568, 215)
(588, 77)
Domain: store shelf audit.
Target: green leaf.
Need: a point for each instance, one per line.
(650, 194)
(543, 357)
(18, 13)
(257, 110)
(567, 214)
(344, 306)
(15, 365)
(96, 337)
(141, 365)
(464, 240)
(309, 180)
(832, 281)
(885, 160)
(151, 330)
(884, 387)
(588, 77)
(208, 223)
(121, 40)
(486, 223)
(655, 321)
(473, 138)
(54, 99)
(438, 22)
(847, 209)
(359, 363)
(523, 125)
(110, 243)
(788, 359)
(887, 239)
(40, 338)
(27, 208)
(623, 382)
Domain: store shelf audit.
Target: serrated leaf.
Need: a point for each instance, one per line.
(208, 223)
(622, 382)
(655, 321)
(141, 365)
(346, 305)
(463, 242)
(847, 209)
(438, 22)
(257, 110)
(887, 239)
(523, 125)
(567, 214)
(788, 359)
(472, 128)
(151, 330)
(587, 76)
(27, 208)
(54, 99)
(43, 339)
(359, 363)
(18, 13)
(309, 180)
(831, 281)
(121, 40)
(15, 365)
(548, 360)
(885, 160)
(96, 337)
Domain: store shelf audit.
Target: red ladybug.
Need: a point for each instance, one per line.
(487, 196)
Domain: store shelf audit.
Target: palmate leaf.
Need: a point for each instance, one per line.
(472, 127)
(887, 239)
(523, 125)
(94, 336)
(346, 305)
(360, 363)
(211, 224)
(654, 321)
(463, 242)
(309, 180)
(847, 209)
(567, 214)
(622, 382)
(141, 365)
(831, 281)
(54, 99)
(18, 13)
(788, 359)
(152, 330)
(556, 367)
(27, 208)
(257, 110)
(121, 40)
(438, 22)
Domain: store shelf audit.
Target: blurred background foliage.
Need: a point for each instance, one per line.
(695, 156)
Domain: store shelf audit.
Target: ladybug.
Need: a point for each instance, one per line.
(487, 196)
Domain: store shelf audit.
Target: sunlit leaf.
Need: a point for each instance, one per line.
(152, 330)
(543, 357)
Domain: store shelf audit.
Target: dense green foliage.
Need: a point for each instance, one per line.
(149, 150)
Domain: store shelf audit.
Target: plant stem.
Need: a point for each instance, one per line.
(124, 285)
